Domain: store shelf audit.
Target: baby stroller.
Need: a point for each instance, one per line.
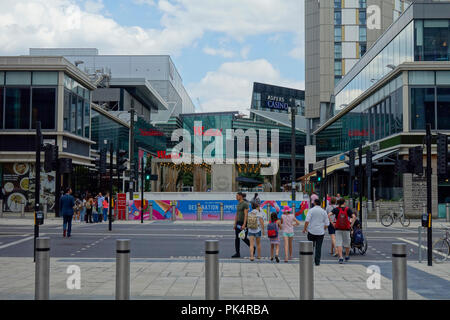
(357, 238)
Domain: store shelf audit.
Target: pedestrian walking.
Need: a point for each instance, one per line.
(288, 221)
(100, 199)
(345, 219)
(83, 215)
(105, 206)
(77, 208)
(67, 204)
(240, 223)
(273, 229)
(89, 209)
(316, 222)
(331, 230)
(255, 224)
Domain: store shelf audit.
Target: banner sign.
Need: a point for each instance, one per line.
(209, 209)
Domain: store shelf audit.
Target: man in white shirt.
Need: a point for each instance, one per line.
(315, 223)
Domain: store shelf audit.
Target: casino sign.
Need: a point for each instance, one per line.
(274, 102)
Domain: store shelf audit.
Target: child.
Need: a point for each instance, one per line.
(272, 232)
(288, 221)
(255, 225)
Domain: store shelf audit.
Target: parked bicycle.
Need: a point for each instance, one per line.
(441, 247)
(391, 217)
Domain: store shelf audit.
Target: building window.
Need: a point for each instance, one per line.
(362, 49)
(362, 34)
(337, 34)
(45, 78)
(431, 40)
(443, 108)
(337, 67)
(422, 108)
(66, 112)
(15, 78)
(73, 114)
(338, 51)
(1, 107)
(43, 107)
(362, 18)
(337, 4)
(87, 111)
(362, 4)
(17, 108)
(80, 116)
(337, 18)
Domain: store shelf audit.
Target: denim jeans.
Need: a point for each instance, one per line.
(67, 223)
(105, 214)
(82, 213)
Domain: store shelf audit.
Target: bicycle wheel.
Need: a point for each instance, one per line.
(387, 220)
(441, 250)
(405, 221)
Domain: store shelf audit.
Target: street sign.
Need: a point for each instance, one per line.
(121, 205)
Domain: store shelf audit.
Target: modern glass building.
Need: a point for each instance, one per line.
(386, 99)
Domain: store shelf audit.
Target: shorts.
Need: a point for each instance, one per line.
(288, 234)
(257, 234)
(331, 229)
(343, 238)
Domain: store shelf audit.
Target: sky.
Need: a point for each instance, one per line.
(220, 47)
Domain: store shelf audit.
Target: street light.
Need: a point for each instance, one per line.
(391, 66)
(78, 62)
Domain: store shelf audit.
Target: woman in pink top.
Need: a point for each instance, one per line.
(288, 221)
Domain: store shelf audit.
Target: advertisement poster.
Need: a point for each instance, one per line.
(18, 179)
(210, 209)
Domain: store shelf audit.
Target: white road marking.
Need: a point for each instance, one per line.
(417, 245)
(16, 242)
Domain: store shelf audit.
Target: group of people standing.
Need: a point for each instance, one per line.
(89, 208)
(336, 218)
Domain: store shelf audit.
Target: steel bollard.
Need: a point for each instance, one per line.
(199, 215)
(399, 279)
(447, 211)
(45, 211)
(420, 244)
(369, 206)
(1, 208)
(151, 211)
(22, 214)
(221, 211)
(174, 212)
(212, 270)
(123, 269)
(306, 270)
(364, 214)
(42, 269)
(377, 208)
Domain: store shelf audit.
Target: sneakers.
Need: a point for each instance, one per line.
(64, 234)
(341, 261)
(347, 258)
(271, 258)
(276, 258)
(237, 255)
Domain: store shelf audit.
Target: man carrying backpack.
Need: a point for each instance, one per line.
(344, 221)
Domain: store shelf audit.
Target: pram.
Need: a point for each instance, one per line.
(361, 247)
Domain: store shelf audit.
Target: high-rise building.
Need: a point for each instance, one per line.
(337, 34)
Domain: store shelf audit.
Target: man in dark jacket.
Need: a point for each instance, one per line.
(66, 203)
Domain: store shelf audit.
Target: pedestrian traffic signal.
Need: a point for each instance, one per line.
(442, 155)
(351, 162)
(415, 162)
(51, 157)
(369, 163)
(121, 160)
(319, 175)
(65, 165)
(102, 164)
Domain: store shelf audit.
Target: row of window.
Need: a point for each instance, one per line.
(21, 107)
(338, 34)
(430, 105)
(76, 114)
(350, 4)
(28, 78)
(361, 18)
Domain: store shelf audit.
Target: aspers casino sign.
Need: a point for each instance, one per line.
(274, 102)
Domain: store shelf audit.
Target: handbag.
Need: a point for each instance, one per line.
(242, 234)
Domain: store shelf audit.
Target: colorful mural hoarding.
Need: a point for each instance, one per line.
(210, 209)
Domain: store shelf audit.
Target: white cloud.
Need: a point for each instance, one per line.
(218, 52)
(230, 87)
(245, 51)
(94, 6)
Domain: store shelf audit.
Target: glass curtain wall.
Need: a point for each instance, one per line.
(76, 108)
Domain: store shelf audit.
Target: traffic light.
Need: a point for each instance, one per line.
(369, 163)
(442, 155)
(148, 174)
(65, 165)
(319, 175)
(102, 164)
(51, 157)
(121, 160)
(415, 163)
(351, 162)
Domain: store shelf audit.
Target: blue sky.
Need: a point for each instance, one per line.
(220, 47)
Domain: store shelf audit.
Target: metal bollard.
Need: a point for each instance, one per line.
(420, 244)
(42, 269)
(364, 214)
(199, 215)
(151, 211)
(174, 212)
(22, 208)
(45, 211)
(1, 208)
(221, 211)
(369, 206)
(377, 208)
(447, 211)
(399, 279)
(212, 270)
(306, 270)
(123, 269)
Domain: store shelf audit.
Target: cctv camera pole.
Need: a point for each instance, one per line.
(429, 172)
(37, 183)
(111, 152)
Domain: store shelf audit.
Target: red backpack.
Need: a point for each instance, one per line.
(342, 222)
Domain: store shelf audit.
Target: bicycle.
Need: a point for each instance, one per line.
(391, 217)
(441, 247)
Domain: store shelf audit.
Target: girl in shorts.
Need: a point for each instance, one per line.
(288, 221)
(275, 242)
(254, 234)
